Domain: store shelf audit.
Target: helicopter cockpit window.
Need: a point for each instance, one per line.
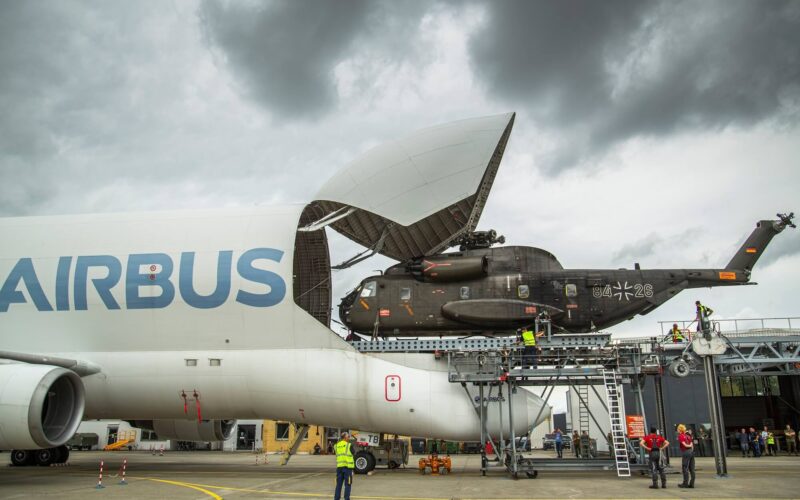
(369, 289)
(405, 294)
(523, 291)
(571, 290)
(464, 292)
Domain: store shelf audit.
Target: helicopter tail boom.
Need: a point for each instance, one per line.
(749, 253)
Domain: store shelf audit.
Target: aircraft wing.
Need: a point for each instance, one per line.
(412, 197)
(82, 368)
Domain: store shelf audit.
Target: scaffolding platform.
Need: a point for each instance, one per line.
(593, 359)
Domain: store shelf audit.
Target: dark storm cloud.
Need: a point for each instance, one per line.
(285, 51)
(597, 73)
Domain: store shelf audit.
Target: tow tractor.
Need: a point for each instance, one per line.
(373, 449)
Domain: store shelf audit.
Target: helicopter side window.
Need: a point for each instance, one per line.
(369, 289)
(571, 290)
(523, 291)
(464, 292)
(405, 294)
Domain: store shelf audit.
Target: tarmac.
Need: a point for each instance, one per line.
(204, 475)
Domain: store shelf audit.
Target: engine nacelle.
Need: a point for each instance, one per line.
(191, 430)
(41, 406)
(445, 268)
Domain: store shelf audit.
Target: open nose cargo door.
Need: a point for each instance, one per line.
(412, 197)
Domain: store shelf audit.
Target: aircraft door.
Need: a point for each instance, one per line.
(111, 436)
(392, 389)
(405, 300)
(571, 299)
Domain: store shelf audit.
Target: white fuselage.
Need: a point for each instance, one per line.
(200, 303)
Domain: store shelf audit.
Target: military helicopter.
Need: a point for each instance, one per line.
(486, 290)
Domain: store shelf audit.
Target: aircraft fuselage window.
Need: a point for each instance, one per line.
(464, 292)
(571, 290)
(405, 294)
(369, 289)
(523, 291)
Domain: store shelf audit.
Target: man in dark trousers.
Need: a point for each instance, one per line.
(687, 457)
(530, 350)
(703, 312)
(655, 444)
(344, 466)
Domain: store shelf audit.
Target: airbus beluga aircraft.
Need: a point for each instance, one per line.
(184, 321)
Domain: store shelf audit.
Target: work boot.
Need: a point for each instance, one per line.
(683, 485)
(654, 487)
(664, 485)
(691, 485)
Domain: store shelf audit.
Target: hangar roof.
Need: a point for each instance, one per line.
(412, 197)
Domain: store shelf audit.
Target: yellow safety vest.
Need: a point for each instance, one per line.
(528, 338)
(771, 439)
(676, 335)
(344, 458)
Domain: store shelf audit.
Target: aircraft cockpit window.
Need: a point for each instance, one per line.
(464, 292)
(369, 289)
(523, 291)
(571, 290)
(405, 294)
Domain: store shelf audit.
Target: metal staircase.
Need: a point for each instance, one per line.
(616, 413)
(300, 431)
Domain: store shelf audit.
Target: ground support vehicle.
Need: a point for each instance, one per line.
(391, 452)
(435, 465)
(83, 441)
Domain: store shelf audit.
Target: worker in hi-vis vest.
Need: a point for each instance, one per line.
(703, 312)
(529, 342)
(677, 335)
(344, 466)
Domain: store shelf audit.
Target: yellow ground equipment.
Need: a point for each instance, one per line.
(435, 465)
(125, 439)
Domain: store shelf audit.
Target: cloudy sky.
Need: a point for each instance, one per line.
(651, 132)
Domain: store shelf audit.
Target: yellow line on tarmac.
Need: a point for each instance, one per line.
(296, 494)
(187, 485)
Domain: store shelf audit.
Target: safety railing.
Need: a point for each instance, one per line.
(736, 325)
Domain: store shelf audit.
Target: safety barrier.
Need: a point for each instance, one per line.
(100, 477)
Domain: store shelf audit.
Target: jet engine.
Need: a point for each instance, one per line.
(190, 430)
(445, 268)
(41, 406)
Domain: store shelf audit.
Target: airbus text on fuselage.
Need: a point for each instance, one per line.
(149, 281)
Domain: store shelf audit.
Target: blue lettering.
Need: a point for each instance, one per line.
(134, 280)
(23, 271)
(221, 292)
(102, 285)
(62, 283)
(277, 287)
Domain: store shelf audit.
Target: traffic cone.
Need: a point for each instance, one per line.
(124, 467)
(100, 477)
